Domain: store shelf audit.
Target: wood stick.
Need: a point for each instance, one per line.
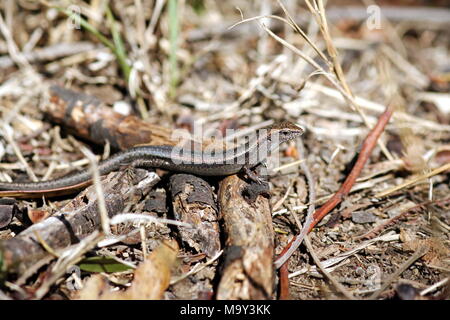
(193, 203)
(366, 151)
(87, 117)
(78, 219)
(248, 271)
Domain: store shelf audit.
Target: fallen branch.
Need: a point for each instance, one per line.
(89, 118)
(248, 254)
(25, 253)
(364, 155)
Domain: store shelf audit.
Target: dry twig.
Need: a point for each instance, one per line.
(417, 254)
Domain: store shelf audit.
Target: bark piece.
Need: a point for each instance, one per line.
(89, 118)
(193, 202)
(75, 221)
(156, 202)
(8, 209)
(155, 206)
(248, 271)
(255, 189)
(38, 215)
(7, 212)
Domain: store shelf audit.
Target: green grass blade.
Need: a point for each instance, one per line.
(119, 45)
(173, 38)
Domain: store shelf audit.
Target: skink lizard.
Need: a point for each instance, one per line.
(222, 163)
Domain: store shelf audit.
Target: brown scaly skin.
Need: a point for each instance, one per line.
(223, 163)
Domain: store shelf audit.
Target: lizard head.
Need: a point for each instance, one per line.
(285, 131)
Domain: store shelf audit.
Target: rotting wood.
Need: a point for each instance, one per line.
(248, 271)
(154, 205)
(87, 117)
(76, 220)
(193, 203)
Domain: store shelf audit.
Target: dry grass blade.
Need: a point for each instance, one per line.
(14, 52)
(335, 283)
(69, 257)
(302, 33)
(99, 190)
(413, 181)
(434, 287)
(419, 253)
(310, 215)
(18, 153)
(319, 13)
(197, 268)
(334, 262)
(133, 217)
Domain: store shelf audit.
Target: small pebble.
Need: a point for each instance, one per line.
(363, 217)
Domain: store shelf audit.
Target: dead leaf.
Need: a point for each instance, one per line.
(36, 215)
(152, 277)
